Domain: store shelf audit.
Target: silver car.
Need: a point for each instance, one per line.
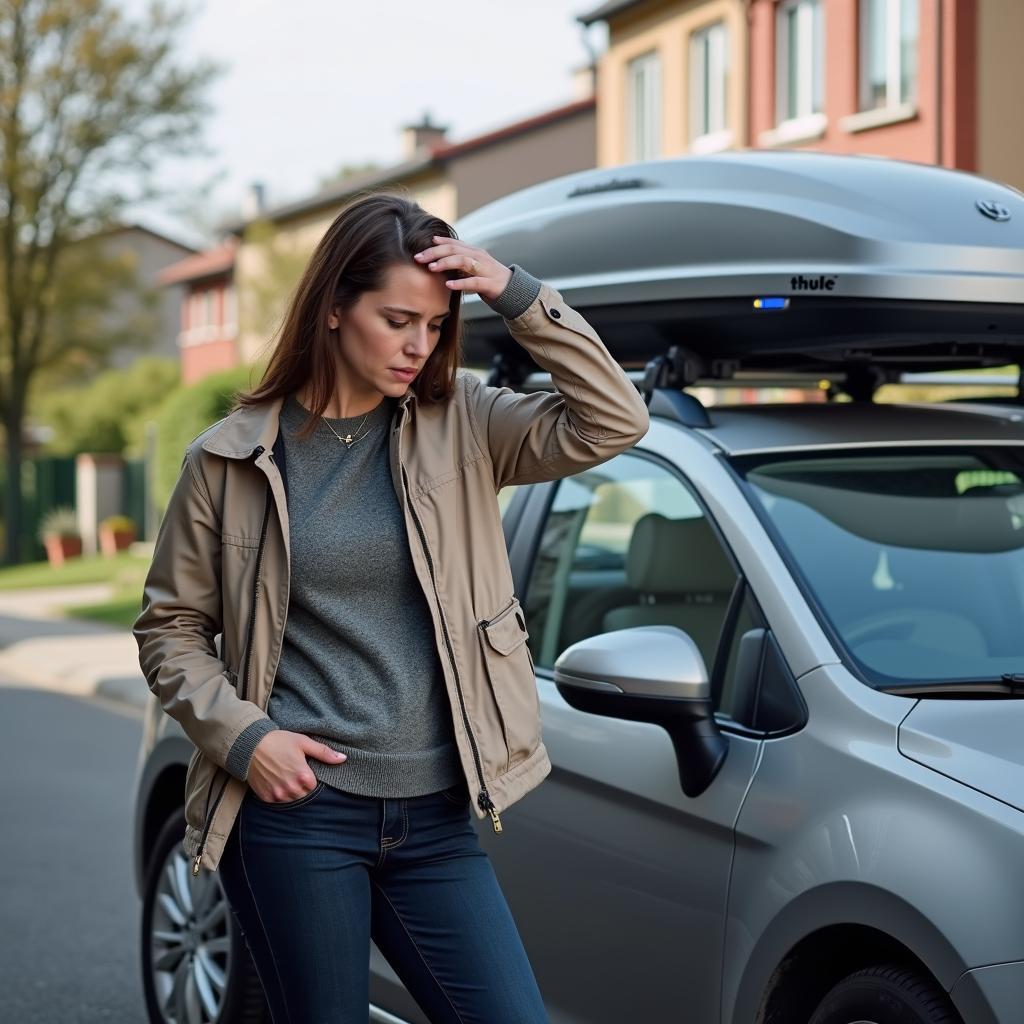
(779, 647)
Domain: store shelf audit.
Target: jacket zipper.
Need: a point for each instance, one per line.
(245, 673)
(484, 623)
(483, 797)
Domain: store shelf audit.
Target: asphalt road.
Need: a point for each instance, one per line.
(69, 914)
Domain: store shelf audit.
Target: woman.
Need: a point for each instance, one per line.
(340, 528)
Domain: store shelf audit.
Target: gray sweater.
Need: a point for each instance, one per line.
(359, 667)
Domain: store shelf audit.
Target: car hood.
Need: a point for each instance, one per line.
(976, 742)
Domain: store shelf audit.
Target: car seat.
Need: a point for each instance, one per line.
(680, 576)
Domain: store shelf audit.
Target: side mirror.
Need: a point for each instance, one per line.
(649, 674)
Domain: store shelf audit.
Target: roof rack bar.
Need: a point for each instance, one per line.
(664, 378)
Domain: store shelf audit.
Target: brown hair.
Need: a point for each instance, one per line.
(375, 231)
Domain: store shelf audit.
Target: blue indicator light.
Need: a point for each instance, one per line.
(771, 303)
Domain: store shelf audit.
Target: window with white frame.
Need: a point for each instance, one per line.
(709, 82)
(643, 98)
(888, 71)
(230, 307)
(800, 59)
(204, 316)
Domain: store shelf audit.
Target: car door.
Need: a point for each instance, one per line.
(617, 880)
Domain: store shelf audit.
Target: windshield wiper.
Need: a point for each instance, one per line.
(1010, 684)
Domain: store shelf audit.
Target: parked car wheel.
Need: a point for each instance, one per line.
(196, 968)
(886, 995)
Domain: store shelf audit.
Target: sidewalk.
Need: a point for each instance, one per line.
(82, 659)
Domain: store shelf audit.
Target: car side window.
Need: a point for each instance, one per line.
(626, 544)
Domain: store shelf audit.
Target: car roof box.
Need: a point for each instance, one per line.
(769, 261)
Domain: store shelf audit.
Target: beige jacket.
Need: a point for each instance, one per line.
(215, 599)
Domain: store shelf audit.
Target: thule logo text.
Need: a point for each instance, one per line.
(821, 283)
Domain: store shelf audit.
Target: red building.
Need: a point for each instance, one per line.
(208, 339)
(897, 78)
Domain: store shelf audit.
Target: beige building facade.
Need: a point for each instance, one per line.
(672, 80)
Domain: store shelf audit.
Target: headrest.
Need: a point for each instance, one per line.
(676, 556)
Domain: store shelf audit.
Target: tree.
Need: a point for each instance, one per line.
(99, 304)
(275, 263)
(189, 410)
(89, 100)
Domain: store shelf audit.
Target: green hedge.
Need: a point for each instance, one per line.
(187, 412)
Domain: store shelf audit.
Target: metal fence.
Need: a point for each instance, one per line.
(48, 481)
(45, 482)
(133, 499)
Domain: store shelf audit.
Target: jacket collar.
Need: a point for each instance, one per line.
(239, 433)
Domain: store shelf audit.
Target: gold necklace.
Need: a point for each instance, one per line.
(348, 439)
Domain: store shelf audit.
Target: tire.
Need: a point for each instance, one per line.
(193, 974)
(886, 995)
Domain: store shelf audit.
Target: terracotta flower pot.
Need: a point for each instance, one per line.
(112, 541)
(59, 548)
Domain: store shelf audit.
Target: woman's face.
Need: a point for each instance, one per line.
(395, 327)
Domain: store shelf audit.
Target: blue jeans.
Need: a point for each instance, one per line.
(311, 881)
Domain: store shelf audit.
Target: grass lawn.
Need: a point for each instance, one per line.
(125, 571)
(123, 567)
(122, 611)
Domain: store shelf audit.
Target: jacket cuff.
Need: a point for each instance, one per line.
(519, 294)
(240, 754)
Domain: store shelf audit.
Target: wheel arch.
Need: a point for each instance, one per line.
(161, 796)
(828, 932)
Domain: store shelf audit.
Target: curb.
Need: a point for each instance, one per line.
(104, 664)
(126, 689)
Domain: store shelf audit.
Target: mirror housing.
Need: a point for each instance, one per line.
(650, 674)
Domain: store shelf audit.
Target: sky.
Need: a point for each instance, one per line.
(311, 85)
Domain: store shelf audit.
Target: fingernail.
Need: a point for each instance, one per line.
(341, 757)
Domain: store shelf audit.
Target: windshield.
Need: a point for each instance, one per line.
(915, 558)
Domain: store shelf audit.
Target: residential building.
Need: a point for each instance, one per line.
(207, 329)
(672, 80)
(235, 292)
(932, 81)
(147, 302)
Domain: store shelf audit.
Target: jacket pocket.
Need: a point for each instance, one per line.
(510, 672)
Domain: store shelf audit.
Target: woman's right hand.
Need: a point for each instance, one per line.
(278, 770)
